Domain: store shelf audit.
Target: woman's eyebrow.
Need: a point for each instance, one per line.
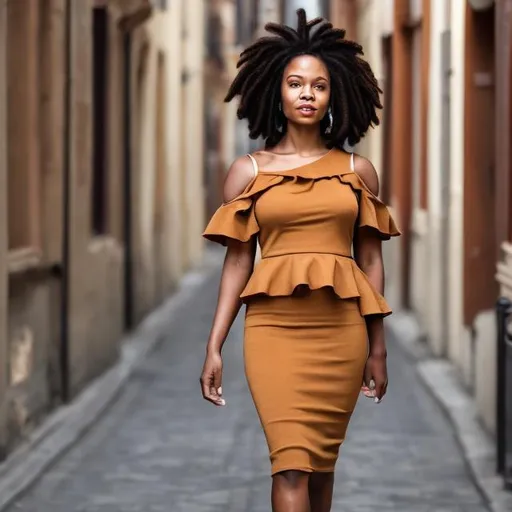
(300, 76)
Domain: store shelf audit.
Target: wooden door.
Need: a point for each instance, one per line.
(480, 287)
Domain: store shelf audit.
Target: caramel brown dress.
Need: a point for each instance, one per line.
(305, 343)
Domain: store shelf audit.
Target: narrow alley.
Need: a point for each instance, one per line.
(161, 448)
(115, 144)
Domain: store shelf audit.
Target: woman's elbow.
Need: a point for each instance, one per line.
(240, 255)
(370, 261)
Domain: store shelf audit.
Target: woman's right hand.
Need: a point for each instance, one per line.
(211, 379)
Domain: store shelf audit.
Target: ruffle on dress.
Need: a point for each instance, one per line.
(373, 213)
(281, 275)
(236, 219)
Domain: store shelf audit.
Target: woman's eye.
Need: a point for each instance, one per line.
(295, 84)
(320, 87)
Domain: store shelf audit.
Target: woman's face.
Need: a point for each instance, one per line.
(305, 90)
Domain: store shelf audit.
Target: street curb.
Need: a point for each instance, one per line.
(440, 378)
(64, 427)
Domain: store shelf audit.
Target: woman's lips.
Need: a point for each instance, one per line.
(307, 111)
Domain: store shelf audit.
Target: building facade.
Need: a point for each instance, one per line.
(219, 116)
(101, 182)
(231, 26)
(443, 153)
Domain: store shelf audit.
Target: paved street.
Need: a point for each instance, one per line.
(161, 448)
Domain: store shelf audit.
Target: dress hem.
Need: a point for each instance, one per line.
(304, 469)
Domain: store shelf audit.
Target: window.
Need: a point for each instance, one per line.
(23, 133)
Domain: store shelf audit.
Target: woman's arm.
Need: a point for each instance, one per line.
(238, 266)
(368, 255)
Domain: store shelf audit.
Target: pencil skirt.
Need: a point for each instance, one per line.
(304, 360)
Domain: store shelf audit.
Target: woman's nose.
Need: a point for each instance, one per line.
(306, 95)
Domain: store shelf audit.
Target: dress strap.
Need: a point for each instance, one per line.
(352, 166)
(254, 164)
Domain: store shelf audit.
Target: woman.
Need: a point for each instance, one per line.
(313, 325)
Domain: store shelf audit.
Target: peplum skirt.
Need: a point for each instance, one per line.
(304, 359)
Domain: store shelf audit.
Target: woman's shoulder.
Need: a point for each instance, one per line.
(265, 157)
(367, 173)
(238, 177)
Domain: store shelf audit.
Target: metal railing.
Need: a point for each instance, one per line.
(504, 391)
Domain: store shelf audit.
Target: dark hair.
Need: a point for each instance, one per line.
(354, 88)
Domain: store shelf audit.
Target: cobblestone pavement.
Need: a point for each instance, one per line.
(161, 448)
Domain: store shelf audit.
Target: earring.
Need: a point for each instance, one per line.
(279, 126)
(328, 130)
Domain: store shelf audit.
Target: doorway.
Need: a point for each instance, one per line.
(480, 286)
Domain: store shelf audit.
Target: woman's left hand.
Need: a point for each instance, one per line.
(375, 377)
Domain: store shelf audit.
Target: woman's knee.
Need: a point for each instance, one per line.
(321, 480)
(293, 479)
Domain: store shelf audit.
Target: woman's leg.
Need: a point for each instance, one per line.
(290, 492)
(321, 486)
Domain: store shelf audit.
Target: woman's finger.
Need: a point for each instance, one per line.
(209, 391)
(380, 390)
(216, 388)
(205, 387)
(367, 392)
(367, 377)
(385, 388)
(368, 383)
(217, 383)
(216, 398)
(369, 389)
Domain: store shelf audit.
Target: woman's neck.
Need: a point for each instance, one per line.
(303, 140)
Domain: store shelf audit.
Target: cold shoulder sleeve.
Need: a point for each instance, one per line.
(235, 220)
(373, 213)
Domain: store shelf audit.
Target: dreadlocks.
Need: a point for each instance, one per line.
(354, 89)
